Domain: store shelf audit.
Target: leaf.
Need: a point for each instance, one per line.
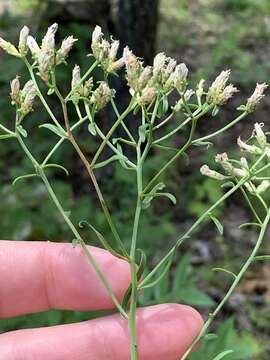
(100, 237)
(140, 271)
(121, 160)
(22, 131)
(181, 272)
(261, 258)
(169, 196)
(225, 271)
(108, 161)
(249, 224)
(217, 223)
(67, 213)
(92, 129)
(150, 196)
(57, 166)
(223, 354)
(55, 129)
(203, 143)
(6, 136)
(228, 184)
(215, 111)
(23, 177)
(50, 91)
(142, 132)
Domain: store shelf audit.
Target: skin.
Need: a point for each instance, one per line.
(37, 276)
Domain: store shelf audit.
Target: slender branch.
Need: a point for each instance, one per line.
(233, 286)
(91, 174)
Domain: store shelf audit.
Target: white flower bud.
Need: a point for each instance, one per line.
(223, 160)
(239, 172)
(227, 93)
(206, 171)
(76, 77)
(44, 65)
(65, 48)
(264, 185)
(23, 48)
(15, 90)
(113, 50)
(148, 95)
(29, 87)
(252, 149)
(217, 93)
(144, 77)
(48, 42)
(260, 135)
(180, 76)
(256, 97)
(97, 35)
(159, 63)
(102, 95)
(29, 93)
(33, 46)
(9, 48)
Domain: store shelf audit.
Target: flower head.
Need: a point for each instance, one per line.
(219, 93)
(206, 171)
(15, 90)
(64, 50)
(256, 97)
(9, 48)
(33, 46)
(102, 95)
(23, 48)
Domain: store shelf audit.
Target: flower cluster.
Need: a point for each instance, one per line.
(219, 92)
(243, 168)
(105, 52)
(23, 98)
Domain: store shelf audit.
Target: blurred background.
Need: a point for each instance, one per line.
(209, 36)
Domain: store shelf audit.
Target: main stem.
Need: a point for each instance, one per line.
(133, 267)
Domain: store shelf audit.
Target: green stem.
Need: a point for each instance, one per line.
(227, 127)
(181, 239)
(110, 132)
(90, 173)
(175, 157)
(58, 144)
(100, 133)
(133, 266)
(122, 123)
(54, 198)
(233, 286)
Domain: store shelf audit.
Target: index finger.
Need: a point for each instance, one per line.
(38, 276)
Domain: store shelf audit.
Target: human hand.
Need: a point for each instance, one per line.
(38, 276)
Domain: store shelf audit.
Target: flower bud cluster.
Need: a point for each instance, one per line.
(106, 52)
(243, 169)
(146, 82)
(256, 97)
(23, 98)
(80, 89)
(219, 93)
(102, 96)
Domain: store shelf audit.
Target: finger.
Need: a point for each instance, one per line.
(164, 332)
(37, 276)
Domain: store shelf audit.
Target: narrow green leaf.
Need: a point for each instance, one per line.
(262, 257)
(140, 271)
(108, 161)
(249, 224)
(142, 132)
(50, 91)
(217, 223)
(100, 237)
(57, 166)
(92, 129)
(169, 196)
(203, 143)
(223, 354)
(6, 136)
(23, 177)
(55, 129)
(225, 271)
(22, 131)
